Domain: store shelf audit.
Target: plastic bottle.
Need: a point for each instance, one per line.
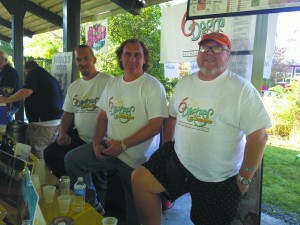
(79, 195)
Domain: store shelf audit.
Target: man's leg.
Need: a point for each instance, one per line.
(147, 201)
(81, 162)
(54, 154)
(54, 157)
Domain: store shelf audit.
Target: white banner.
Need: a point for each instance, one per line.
(96, 35)
(180, 38)
(61, 69)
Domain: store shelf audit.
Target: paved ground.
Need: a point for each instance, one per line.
(179, 214)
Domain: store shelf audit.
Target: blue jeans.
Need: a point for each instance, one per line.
(11, 112)
(81, 162)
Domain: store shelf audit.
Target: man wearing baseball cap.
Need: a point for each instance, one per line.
(214, 141)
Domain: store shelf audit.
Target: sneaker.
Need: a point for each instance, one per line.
(99, 208)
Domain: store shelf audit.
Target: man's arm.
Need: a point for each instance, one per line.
(65, 123)
(19, 95)
(99, 133)
(253, 154)
(169, 129)
(150, 130)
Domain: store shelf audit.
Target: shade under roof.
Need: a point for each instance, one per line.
(47, 15)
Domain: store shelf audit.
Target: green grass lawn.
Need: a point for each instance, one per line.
(281, 179)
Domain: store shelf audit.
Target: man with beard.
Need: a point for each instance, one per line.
(80, 109)
(218, 123)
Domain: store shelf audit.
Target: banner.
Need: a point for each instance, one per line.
(61, 69)
(96, 36)
(180, 38)
(205, 8)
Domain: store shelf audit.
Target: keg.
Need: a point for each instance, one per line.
(16, 130)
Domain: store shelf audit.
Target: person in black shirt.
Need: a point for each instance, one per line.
(9, 83)
(43, 106)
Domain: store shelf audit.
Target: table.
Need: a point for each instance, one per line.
(51, 210)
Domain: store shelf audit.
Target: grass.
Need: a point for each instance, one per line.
(281, 179)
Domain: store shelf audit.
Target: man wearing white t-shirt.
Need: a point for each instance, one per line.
(218, 123)
(132, 109)
(80, 110)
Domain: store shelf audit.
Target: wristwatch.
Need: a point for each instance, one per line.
(123, 146)
(244, 180)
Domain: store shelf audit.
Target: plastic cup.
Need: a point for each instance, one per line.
(64, 203)
(49, 192)
(110, 221)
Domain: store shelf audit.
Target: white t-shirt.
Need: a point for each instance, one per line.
(81, 99)
(129, 106)
(213, 118)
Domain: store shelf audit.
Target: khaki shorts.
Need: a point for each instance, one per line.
(39, 137)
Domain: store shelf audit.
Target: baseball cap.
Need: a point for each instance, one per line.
(218, 37)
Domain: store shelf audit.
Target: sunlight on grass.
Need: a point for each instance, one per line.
(281, 179)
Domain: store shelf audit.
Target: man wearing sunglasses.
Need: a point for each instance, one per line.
(214, 141)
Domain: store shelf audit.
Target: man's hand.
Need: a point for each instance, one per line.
(64, 140)
(98, 150)
(114, 148)
(243, 188)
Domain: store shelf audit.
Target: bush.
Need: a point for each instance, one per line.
(284, 112)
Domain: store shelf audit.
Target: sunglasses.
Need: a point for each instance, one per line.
(214, 49)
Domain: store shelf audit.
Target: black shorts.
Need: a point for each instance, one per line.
(213, 203)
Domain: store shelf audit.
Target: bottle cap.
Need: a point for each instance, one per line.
(80, 179)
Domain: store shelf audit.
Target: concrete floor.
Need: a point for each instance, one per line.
(179, 214)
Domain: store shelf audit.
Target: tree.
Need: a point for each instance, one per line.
(145, 27)
(4, 46)
(45, 45)
(279, 68)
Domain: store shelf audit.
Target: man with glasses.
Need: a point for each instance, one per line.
(218, 123)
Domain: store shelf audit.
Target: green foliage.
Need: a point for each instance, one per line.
(45, 45)
(4, 46)
(279, 90)
(144, 27)
(284, 110)
(281, 179)
(169, 85)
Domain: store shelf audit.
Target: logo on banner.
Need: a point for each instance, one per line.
(96, 36)
(198, 28)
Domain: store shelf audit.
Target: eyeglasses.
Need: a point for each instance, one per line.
(215, 49)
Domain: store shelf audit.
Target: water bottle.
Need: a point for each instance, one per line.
(79, 195)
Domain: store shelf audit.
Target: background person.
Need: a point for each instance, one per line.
(133, 107)
(218, 122)
(9, 83)
(43, 106)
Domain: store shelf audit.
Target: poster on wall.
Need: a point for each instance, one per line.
(61, 69)
(200, 9)
(96, 36)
